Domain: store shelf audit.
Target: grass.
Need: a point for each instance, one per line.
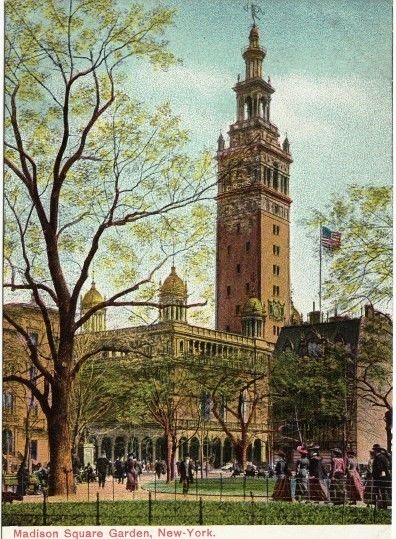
(215, 486)
(136, 513)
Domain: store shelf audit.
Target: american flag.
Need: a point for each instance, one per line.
(330, 239)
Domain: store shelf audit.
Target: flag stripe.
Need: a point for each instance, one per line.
(329, 238)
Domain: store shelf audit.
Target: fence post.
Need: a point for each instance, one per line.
(252, 508)
(155, 485)
(196, 486)
(113, 484)
(244, 487)
(266, 482)
(221, 486)
(45, 509)
(343, 506)
(200, 519)
(97, 510)
(150, 509)
(88, 485)
(67, 483)
(175, 489)
(375, 509)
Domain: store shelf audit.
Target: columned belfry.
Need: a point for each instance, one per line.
(253, 208)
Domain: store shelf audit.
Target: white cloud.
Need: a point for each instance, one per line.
(182, 80)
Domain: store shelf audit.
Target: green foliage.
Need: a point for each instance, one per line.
(135, 513)
(361, 269)
(374, 361)
(309, 388)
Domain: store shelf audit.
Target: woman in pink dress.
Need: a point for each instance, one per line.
(337, 476)
(354, 485)
(132, 476)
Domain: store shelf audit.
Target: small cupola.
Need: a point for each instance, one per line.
(173, 298)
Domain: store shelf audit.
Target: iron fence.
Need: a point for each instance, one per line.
(182, 512)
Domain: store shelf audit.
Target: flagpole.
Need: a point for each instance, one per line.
(320, 271)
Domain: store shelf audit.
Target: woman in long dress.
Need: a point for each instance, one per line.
(368, 494)
(132, 477)
(337, 476)
(282, 490)
(354, 482)
(302, 474)
(318, 490)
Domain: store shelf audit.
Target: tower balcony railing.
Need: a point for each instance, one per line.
(249, 48)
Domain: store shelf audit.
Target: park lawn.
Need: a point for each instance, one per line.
(136, 513)
(215, 486)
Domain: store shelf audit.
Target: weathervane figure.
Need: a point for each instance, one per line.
(255, 10)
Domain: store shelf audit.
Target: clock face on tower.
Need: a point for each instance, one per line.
(276, 310)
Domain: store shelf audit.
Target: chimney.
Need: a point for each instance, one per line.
(314, 317)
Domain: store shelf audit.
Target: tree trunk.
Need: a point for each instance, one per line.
(61, 478)
(173, 459)
(168, 438)
(240, 448)
(388, 427)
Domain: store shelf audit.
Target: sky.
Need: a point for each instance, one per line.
(330, 63)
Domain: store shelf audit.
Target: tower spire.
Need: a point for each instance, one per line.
(254, 55)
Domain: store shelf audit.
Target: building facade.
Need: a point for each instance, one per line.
(253, 207)
(363, 424)
(24, 428)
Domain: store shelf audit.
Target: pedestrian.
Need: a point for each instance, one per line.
(186, 474)
(354, 486)
(119, 470)
(282, 489)
(132, 476)
(89, 473)
(158, 468)
(382, 479)
(337, 477)
(318, 490)
(302, 474)
(368, 494)
(102, 465)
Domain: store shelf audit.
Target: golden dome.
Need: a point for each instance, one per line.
(173, 285)
(92, 297)
(253, 306)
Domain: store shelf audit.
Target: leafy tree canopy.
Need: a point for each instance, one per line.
(361, 269)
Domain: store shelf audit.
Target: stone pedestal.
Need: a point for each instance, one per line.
(89, 453)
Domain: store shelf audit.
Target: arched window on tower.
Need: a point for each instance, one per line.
(275, 182)
(248, 110)
(261, 107)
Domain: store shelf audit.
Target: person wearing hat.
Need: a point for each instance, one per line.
(282, 489)
(337, 476)
(186, 474)
(354, 485)
(302, 474)
(368, 494)
(382, 478)
(318, 490)
(131, 475)
(102, 465)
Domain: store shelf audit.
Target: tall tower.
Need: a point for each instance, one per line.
(253, 207)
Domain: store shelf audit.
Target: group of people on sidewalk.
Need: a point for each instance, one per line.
(342, 483)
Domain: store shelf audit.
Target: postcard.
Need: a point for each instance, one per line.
(197, 329)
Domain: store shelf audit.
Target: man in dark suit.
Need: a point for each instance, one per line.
(382, 476)
(102, 465)
(186, 474)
